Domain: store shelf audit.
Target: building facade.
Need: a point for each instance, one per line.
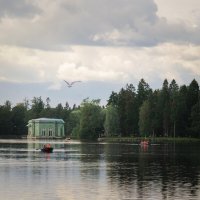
(46, 128)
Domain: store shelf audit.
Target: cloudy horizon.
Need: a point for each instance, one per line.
(105, 44)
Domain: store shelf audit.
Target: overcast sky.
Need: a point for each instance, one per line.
(103, 43)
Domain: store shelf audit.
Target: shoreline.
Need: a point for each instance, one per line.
(151, 139)
(120, 139)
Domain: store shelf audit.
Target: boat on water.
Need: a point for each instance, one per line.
(67, 139)
(144, 143)
(47, 148)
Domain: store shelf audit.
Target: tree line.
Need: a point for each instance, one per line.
(172, 111)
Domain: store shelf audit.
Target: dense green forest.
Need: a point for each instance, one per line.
(172, 111)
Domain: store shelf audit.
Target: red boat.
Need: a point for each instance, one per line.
(47, 148)
(144, 143)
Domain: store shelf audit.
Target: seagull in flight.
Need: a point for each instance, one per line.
(70, 84)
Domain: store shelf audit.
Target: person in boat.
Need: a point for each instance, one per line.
(47, 146)
(144, 142)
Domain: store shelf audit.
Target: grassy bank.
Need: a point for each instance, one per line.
(152, 139)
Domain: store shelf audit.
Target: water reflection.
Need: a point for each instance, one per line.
(99, 171)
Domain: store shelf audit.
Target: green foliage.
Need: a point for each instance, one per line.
(173, 90)
(144, 119)
(195, 120)
(171, 111)
(73, 124)
(111, 123)
(18, 119)
(126, 107)
(192, 99)
(182, 113)
(192, 94)
(113, 99)
(90, 121)
(155, 113)
(6, 125)
(165, 100)
(37, 108)
(143, 92)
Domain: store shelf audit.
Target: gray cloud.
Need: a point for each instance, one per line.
(17, 8)
(93, 22)
(96, 41)
(88, 22)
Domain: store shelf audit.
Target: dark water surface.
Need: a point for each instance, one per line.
(99, 171)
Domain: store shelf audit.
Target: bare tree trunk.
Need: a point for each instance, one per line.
(174, 129)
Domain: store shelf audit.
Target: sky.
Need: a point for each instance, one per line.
(105, 44)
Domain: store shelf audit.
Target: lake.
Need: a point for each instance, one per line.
(96, 171)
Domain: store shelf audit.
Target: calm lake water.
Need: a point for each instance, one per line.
(96, 171)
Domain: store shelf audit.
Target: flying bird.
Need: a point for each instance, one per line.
(71, 84)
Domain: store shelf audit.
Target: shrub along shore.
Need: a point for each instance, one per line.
(151, 139)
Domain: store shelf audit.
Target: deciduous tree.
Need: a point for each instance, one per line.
(90, 121)
(111, 123)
